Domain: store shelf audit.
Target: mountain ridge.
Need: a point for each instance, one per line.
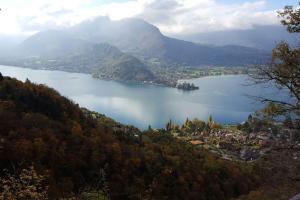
(126, 50)
(260, 37)
(127, 35)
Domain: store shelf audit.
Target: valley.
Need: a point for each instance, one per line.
(149, 100)
(157, 59)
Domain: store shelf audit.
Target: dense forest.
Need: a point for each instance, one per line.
(50, 148)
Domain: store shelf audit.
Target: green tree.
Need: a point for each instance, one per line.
(200, 125)
(187, 122)
(210, 121)
(250, 118)
(27, 80)
(169, 125)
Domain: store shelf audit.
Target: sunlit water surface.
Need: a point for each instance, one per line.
(224, 97)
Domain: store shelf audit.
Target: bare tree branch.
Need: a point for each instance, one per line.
(284, 68)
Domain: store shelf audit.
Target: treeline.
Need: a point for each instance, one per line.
(62, 152)
(192, 127)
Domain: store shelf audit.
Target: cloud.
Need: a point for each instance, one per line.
(61, 12)
(161, 12)
(171, 16)
(28, 16)
(187, 16)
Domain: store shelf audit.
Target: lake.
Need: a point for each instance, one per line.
(223, 97)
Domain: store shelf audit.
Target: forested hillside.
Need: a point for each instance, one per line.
(78, 153)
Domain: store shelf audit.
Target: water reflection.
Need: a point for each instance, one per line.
(143, 105)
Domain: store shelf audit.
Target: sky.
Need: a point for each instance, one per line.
(170, 16)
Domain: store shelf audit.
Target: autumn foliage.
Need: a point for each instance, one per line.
(77, 153)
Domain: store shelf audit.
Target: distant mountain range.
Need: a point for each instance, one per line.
(123, 50)
(146, 42)
(260, 37)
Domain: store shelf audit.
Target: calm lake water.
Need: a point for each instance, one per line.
(224, 97)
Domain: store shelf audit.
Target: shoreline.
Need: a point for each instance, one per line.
(168, 83)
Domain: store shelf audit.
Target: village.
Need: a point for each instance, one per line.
(233, 142)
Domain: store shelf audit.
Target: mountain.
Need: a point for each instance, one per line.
(141, 39)
(8, 42)
(125, 50)
(260, 37)
(133, 36)
(76, 154)
(58, 50)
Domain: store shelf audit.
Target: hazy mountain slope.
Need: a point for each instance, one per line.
(146, 42)
(130, 35)
(135, 37)
(189, 53)
(261, 37)
(51, 43)
(58, 50)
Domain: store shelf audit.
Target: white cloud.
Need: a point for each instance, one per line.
(208, 15)
(171, 16)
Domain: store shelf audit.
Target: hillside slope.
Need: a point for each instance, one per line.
(57, 50)
(83, 152)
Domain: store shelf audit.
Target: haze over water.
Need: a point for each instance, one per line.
(224, 97)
